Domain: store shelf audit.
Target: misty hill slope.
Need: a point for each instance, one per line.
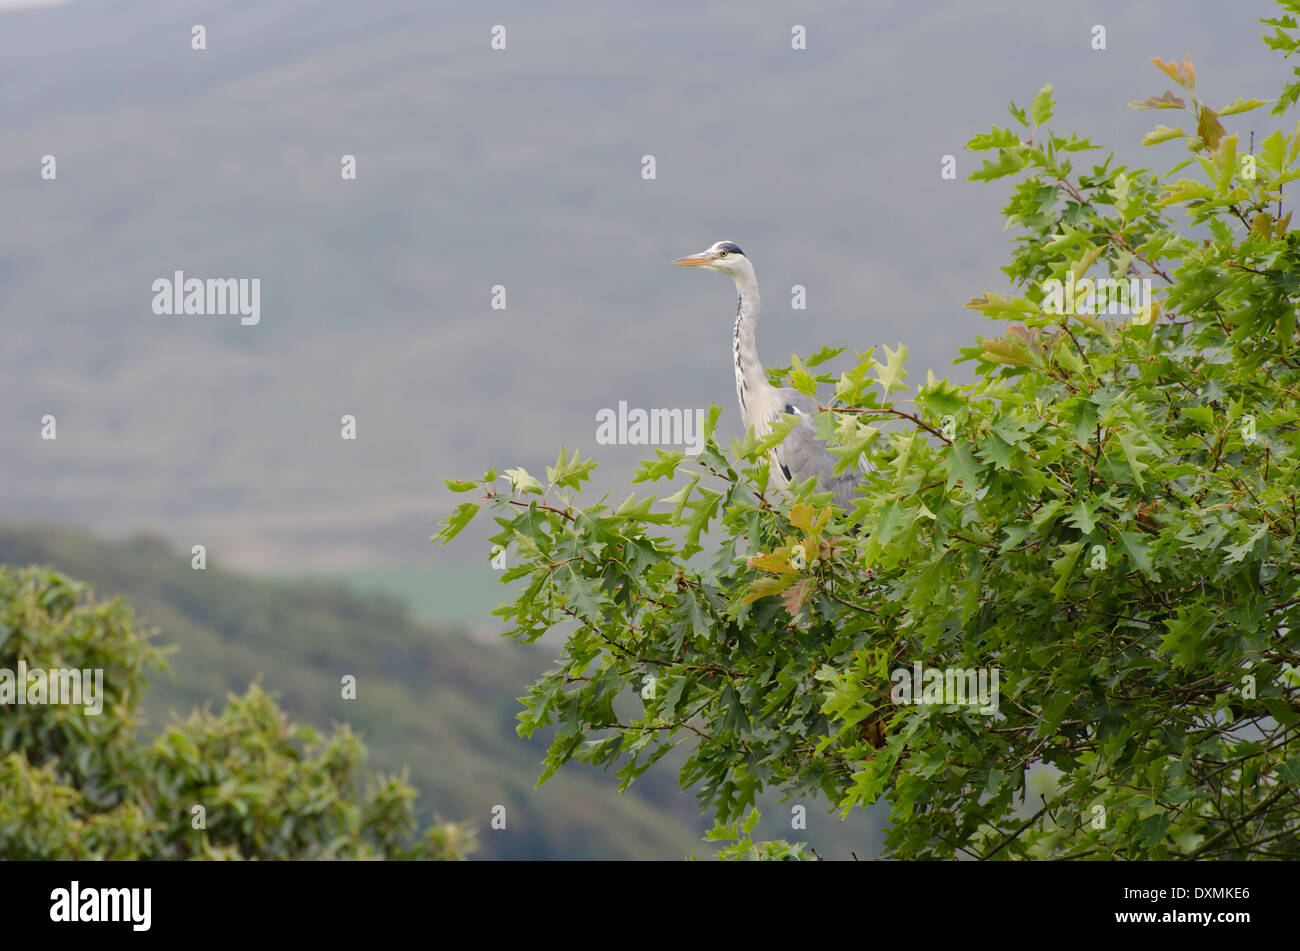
(476, 168)
(431, 701)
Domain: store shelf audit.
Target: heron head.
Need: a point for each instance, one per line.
(724, 256)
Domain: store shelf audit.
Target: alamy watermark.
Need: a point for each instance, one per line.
(58, 685)
(655, 427)
(941, 686)
(1105, 296)
(78, 904)
(211, 297)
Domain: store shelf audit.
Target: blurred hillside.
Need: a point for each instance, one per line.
(431, 700)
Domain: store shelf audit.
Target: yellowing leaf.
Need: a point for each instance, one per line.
(1242, 105)
(809, 519)
(1182, 73)
(1208, 127)
(795, 596)
(765, 587)
(777, 562)
(992, 303)
(1162, 133)
(1167, 101)
(1012, 353)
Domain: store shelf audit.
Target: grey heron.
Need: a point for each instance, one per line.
(801, 455)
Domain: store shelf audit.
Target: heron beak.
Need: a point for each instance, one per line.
(697, 260)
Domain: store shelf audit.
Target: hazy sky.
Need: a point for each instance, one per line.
(478, 167)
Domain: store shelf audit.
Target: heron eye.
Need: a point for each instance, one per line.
(722, 254)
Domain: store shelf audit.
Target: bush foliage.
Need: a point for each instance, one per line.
(83, 786)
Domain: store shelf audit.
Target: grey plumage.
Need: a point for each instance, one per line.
(801, 454)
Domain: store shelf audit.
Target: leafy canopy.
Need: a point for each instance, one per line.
(1106, 517)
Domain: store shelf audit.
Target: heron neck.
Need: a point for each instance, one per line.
(750, 377)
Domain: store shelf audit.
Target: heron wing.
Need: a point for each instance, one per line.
(802, 454)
